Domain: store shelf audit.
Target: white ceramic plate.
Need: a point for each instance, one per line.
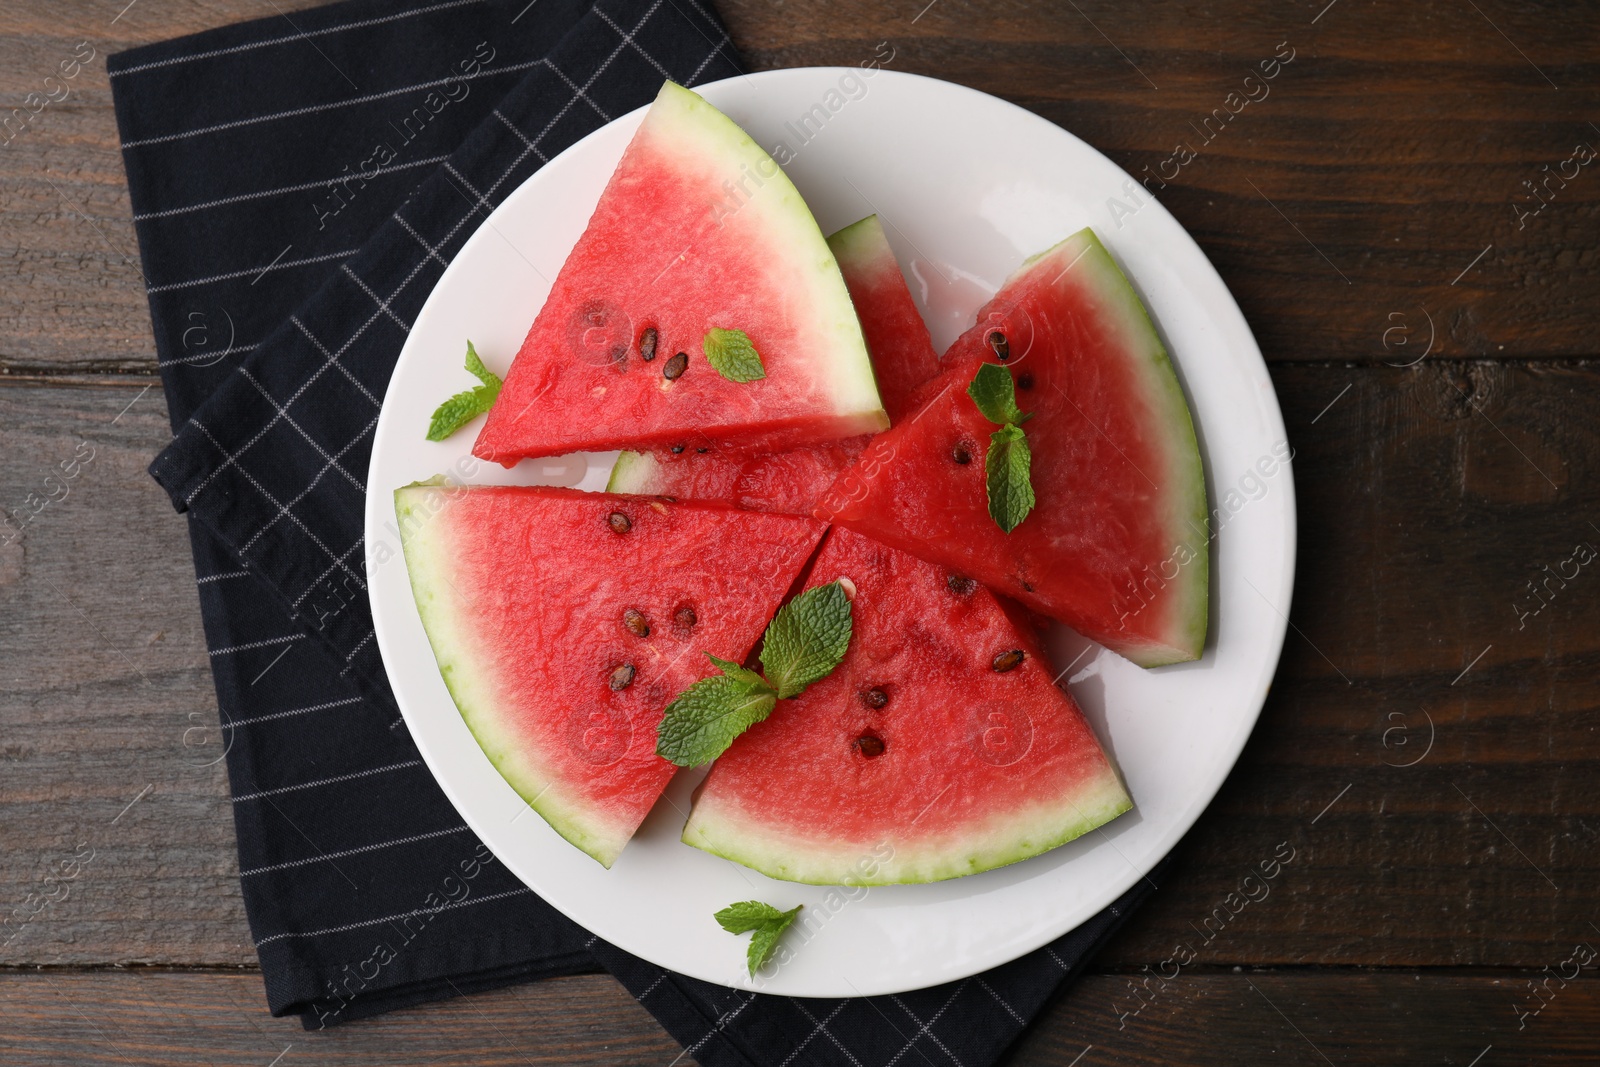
(968, 186)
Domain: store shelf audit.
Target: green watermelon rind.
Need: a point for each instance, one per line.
(633, 472)
(428, 562)
(849, 381)
(1188, 508)
(1010, 837)
(860, 242)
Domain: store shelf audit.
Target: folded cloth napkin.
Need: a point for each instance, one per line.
(299, 184)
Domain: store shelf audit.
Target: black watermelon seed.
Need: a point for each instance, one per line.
(676, 449)
(1025, 380)
(675, 367)
(647, 344)
(620, 523)
(961, 454)
(874, 698)
(702, 451)
(870, 745)
(1006, 661)
(960, 586)
(636, 623)
(621, 678)
(685, 617)
(1002, 347)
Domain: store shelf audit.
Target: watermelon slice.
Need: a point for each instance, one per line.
(1116, 546)
(938, 748)
(565, 622)
(902, 352)
(697, 230)
(902, 357)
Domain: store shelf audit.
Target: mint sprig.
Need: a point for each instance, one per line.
(804, 642)
(465, 406)
(732, 355)
(768, 923)
(1008, 467)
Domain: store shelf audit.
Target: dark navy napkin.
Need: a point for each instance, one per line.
(299, 184)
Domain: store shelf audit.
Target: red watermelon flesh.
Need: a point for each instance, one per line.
(538, 601)
(791, 481)
(902, 357)
(962, 768)
(1116, 545)
(698, 229)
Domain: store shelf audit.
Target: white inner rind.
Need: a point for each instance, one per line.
(862, 243)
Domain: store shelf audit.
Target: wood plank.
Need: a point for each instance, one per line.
(1390, 153)
(70, 261)
(104, 681)
(219, 1018)
(1290, 1018)
(1381, 161)
(1421, 521)
(1312, 1019)
(1422, 517)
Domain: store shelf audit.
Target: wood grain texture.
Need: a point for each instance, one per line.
(1383, 159)
(218, 1018)
(1413, 557)
(165, 1019)
(75, 295)
(1377, 165)
(1430, 751)
(1299, 1019)
(105, 696)
(1427, 499)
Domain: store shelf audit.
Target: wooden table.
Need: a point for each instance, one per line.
(1431, 748)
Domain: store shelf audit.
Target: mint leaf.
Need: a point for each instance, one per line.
(768, 923)
(1007, 467)
(705, 718)
(732, 355)
(996, 396)
(457, 412)
(807, 639)
(733, 670)
(466, 406)
(476, 368)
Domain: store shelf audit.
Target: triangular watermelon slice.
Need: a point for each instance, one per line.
(902, 358)
(1116, 545)
(902, 352)
(565, 622)
(697, 231)
(940, 746)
